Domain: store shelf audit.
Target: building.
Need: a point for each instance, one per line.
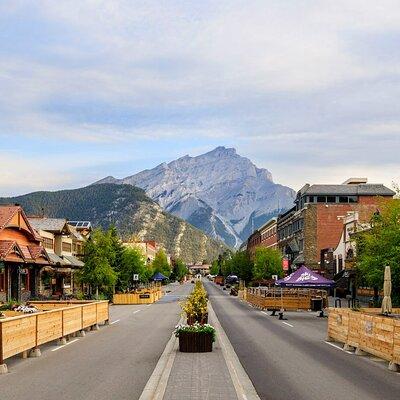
(203, 269)
(309, 233)
(265, 236)
(63, 244)
(269, 235)
(21, 255)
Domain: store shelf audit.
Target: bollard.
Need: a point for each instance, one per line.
(81, 333)
(3, 369)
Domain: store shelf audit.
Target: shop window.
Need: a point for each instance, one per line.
(66, 247)
(67, 281)
(343, 199)
(24, 279)
(46, 280)
(321, 199)
(331, 199)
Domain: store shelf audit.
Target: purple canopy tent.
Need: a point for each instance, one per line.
(305, 278)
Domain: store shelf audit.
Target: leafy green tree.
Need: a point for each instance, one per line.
(98, 256)
(160, 263)
(267, 262)
(380, 246)
(180, 270)
(132, 262)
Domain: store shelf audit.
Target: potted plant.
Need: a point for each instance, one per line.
(196, 338)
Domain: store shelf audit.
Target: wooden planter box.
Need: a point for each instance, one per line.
(194, 342)
(202, 321)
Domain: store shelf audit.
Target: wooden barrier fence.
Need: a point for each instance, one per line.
(287, 299)
(28, 331)
(367, 332)
(139, 296)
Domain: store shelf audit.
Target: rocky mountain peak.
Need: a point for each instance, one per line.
(220, 192)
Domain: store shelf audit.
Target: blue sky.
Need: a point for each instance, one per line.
(307, 89)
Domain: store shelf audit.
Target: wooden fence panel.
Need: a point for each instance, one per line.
(49, 326)
(72, 320)
(17, 335)
(355, 326)
(376, 335)
(338, 324)
(102, 312)
(396, 341)
(89, 317)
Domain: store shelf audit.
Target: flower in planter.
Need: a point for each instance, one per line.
(195, 328)
(195, 306)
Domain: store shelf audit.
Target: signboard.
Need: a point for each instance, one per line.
(144, 296)
(135, 277)
(285, 264)
(275, 277)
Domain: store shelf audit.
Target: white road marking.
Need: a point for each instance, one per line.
(336, 346)
(136, 311)
(287, 323)
(148, 305)
(114, 322)
(264, 312)
(60, 347)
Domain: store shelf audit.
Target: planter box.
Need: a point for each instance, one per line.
(194, 342)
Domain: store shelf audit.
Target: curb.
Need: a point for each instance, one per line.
(156, 385)
(244, 388)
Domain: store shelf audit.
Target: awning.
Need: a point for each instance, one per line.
(55, 259)
(75, 262)
(293, 246)
(305, 277)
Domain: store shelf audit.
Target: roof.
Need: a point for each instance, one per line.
(48, 224)
(271, 221)
(8, 212)
(55, 259)
(363, 189)
(75, 262)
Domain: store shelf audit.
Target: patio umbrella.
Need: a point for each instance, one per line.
(387, 290)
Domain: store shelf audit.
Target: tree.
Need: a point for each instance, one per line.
(132, 262)
(160, 263)
(214, 268)
(97, 271)
(267, 262)
(180, 270)
(380, 246)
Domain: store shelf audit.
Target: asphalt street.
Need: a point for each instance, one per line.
(112, 363)
(291, 360)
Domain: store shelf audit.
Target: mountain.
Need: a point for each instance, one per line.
(220, 192)
(130, 210)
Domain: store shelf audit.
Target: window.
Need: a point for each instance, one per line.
(321, 199)
(353, 199)
(66, 247)
(48, 243)
(343, 199)
(331, 199)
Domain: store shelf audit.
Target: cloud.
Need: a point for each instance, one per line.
(289, 81)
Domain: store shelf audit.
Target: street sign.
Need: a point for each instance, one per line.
(135, 277)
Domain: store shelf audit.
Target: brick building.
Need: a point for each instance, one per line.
(309, 233)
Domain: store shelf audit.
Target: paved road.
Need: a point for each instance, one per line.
(293, 361)
(112, 363)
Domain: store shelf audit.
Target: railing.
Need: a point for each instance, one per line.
(139, 296)
(28, 331)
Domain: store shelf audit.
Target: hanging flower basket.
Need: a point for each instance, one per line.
(195, 338)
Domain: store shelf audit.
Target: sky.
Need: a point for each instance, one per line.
(307, 89)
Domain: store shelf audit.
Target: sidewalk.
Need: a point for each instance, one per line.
(200, 376)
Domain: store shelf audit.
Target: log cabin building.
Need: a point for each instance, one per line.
(21, 255)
